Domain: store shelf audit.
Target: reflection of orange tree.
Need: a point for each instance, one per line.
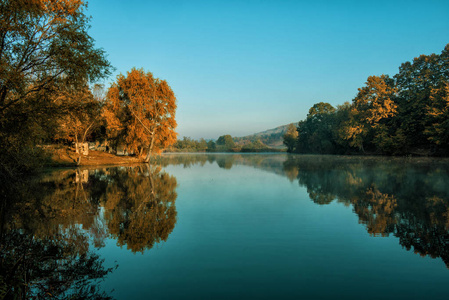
(45, 227)
(140, 207)
(376, 210)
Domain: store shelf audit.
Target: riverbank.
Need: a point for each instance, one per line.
(67, 157)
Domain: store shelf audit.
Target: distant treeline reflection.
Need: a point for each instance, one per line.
(48, 224)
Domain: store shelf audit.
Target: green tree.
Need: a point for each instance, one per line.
(437, 114)
(211, 146)
(202, 145)
(290, 137)
(315, 134)
(415, 82)
(226, 142)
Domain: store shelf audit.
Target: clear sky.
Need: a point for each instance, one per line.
(240, 67)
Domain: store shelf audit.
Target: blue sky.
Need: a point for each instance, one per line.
(240, 67)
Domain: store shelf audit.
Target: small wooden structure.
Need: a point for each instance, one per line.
(82, 148)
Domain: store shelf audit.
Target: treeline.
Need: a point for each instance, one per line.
(270, 139)
(49, 67)
(404, 114)
(225, 143)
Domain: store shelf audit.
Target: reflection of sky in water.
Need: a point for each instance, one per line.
(245, 232)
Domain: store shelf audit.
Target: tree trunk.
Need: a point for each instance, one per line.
(141, 152)
(150, 149)
(77, 150)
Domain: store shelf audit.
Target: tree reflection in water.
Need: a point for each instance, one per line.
(140, 206)
(48, 225)
(406, 198)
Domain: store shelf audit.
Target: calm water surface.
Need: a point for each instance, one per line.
(254, 226)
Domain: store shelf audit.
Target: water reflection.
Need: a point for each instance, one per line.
(48, 225)
(139, 206)
(404, 197)
(407, 198)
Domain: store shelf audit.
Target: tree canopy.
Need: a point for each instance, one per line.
(403, 114)
(140, 112)
(44, 48)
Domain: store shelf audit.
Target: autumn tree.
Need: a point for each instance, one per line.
(44, 46)
(140, 112)
(373, 105)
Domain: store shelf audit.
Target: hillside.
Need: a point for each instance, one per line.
(271, 137)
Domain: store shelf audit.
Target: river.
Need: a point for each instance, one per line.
(233, 226)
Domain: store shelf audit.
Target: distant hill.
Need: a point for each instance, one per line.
(272, 137)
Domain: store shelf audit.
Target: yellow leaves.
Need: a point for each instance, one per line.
(372, 105)
(145, 106)
(373, 102)
(377, 212)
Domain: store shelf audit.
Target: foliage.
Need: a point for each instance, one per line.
(188, 144)
(406, 114)
(225, 142)
(255, 146)
(140, 112)
(315, 134)
(370, 109)
(44, 47)
(290, 138)
(437, 115)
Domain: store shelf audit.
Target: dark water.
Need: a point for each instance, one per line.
(232, 227)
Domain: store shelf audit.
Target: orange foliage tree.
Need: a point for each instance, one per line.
(140, 112)
(372, 106)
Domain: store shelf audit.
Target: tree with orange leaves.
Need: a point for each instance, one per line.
(372, 106)
(140, 112)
